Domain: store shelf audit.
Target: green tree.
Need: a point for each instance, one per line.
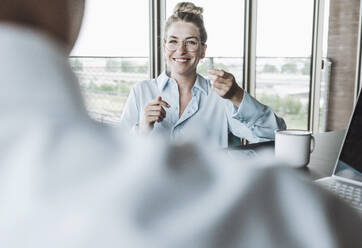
(292, 105)
(306, 69)
(282, 105)
(142, 68)
(270, 68)
(127, 66)
(107, 88)
(76, 65)
(289, 68)
(91, 85)
(208, 64)
(113, 65)
(273, 101)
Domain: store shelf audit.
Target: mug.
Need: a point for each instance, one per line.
(294, 146)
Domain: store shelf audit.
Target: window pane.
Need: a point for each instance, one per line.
(111, 55)
(225, 48)
(106, 83)
(284, 41)
(114, 28)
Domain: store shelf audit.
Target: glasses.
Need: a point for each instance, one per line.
(191, 45)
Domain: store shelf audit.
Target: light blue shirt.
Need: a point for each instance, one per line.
(206, 111)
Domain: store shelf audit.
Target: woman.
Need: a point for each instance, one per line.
(180, 99)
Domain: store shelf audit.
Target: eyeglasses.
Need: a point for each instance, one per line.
(190, 45)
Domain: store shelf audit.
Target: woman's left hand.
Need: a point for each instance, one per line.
(225, 86)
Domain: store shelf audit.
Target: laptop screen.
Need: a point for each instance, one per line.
(349, 164)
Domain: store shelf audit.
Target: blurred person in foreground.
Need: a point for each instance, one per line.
(180, 99)
(66, 181)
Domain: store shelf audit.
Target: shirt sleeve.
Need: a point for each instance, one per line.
(259, 119)
(131, 112)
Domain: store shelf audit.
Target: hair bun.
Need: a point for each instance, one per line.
(188, 7)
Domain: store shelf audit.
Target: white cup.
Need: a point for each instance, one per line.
(294, 146)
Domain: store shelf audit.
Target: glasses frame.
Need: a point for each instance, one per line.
(183, 43)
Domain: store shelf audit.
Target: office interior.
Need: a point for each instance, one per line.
(301, 57)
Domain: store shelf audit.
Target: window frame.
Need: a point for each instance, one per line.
(316, 65)
(157, 15)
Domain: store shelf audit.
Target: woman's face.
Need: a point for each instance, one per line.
(183, 49)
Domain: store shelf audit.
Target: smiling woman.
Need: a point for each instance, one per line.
(181, 101)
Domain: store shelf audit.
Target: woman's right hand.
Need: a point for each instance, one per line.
(153, 112)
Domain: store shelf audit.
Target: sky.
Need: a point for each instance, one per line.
(120, 28)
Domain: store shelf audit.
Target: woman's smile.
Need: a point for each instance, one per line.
(181, 60)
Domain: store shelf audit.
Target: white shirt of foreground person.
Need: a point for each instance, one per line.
(66, 181)
(214, 116)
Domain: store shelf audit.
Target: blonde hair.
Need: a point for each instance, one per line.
(188, 12)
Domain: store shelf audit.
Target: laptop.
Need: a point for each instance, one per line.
(346, 180)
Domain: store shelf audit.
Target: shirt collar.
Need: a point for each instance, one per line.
(162, 81)
(201, 83)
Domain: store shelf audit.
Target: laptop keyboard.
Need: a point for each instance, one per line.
(348, 192)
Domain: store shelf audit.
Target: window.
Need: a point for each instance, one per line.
(284, 46)
(111, 54)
